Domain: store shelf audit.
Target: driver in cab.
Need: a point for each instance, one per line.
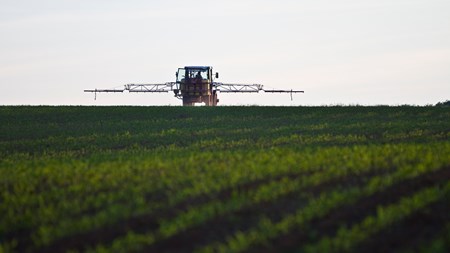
(198, 77)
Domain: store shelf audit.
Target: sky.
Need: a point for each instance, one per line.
(347, 52)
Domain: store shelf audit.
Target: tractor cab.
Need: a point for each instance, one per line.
(193, 73)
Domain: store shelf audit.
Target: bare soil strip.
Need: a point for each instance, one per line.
(355, 213)
(410, 233)
(243, 219)
(147, 222)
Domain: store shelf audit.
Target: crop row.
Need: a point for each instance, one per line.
(318, 207)
(57, 132)
(330, 164)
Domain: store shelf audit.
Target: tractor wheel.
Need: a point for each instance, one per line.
(214, 99)
(187, 102)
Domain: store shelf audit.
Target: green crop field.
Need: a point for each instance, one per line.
(225, 179)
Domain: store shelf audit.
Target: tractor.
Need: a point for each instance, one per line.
(195, 84)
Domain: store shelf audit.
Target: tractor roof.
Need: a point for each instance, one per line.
(198, 67)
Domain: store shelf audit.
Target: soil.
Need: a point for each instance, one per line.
(220, 227)
(148, 222)
(353, 214)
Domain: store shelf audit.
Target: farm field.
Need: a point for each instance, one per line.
(224, 179)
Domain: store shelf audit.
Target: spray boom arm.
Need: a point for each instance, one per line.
(169, 86)
(250, 88)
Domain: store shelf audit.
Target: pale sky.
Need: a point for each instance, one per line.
(339, 52)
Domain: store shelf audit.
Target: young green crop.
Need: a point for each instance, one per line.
(137, 178)
(317, 207)
(347, 238)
